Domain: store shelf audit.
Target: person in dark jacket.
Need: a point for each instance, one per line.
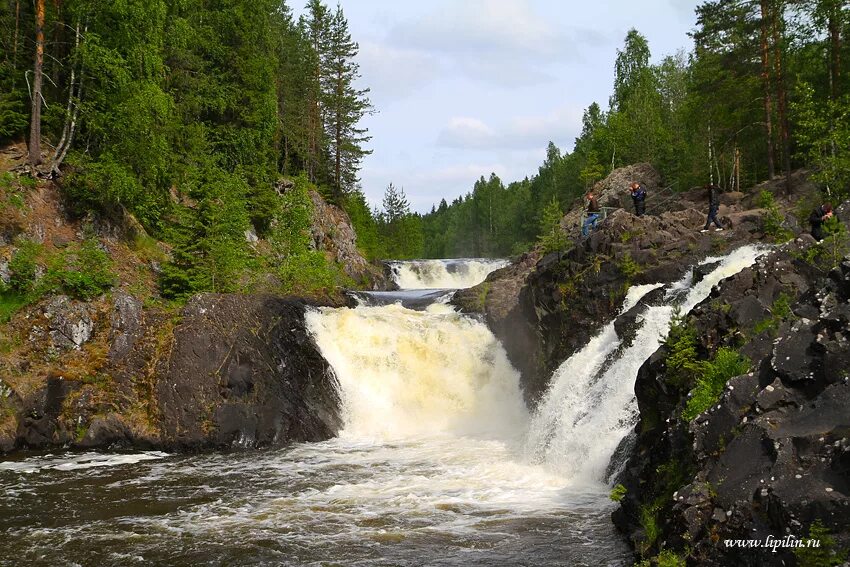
(818, 217)
(713, 194)
(592, 213)
(638, 193)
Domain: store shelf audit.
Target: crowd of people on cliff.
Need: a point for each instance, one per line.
(638, 193)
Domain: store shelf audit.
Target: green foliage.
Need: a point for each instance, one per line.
(773, 219)
(629, 267)
(820, 548)
(13, 117)
(310, 272)
(780, 310)
(668, 558)
(210, 252)
(365, 225)
(682, 358)
(83, 271)
(10, 303)
(617, 493)
(399, 229)
(552, 238)
(823, 134)
(23, 266)
(649, 522)
(829, 252)
(711, 380)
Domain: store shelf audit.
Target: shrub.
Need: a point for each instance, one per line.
(773, 219)
(617, 493)
(711, 380)
(23, 266)
(780, 310)
(629, 267)
(83, 272)
(682, 358)
(825, 554)
(552, 238)
(310, 272)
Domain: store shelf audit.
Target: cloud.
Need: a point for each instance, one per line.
(393, 73)
(503, 42)
(561, 125)
(465, 132)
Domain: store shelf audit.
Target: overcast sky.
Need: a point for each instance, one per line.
(463, 88)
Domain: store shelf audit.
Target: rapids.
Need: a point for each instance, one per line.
(439, 462)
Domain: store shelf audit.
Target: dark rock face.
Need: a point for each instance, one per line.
(235, 371)
(243, 372)
(771, 456)
(544, 309)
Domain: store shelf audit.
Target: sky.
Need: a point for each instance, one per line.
(465, 88)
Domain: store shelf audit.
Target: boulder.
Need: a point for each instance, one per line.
(244, 372)
(70, 323)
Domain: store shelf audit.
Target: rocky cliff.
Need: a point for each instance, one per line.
(115, 364)
(226, 371)
(772, 455)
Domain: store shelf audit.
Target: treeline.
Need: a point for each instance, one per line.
(186, 113)
(763, 91)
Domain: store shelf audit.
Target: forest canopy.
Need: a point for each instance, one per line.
(188, 113)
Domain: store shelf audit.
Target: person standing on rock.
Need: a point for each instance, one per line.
(818, 217)
(592, 213)
(638, 193)
(713, 194)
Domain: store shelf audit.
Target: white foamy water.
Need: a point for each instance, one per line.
(443, 274)
(405, 373)
(438, 462)
(78, 461)
(590, 405)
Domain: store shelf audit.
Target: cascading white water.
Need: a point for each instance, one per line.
(590, 405)
(432, 465)
(405, 373)
(443, 274)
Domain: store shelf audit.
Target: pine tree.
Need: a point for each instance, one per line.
(345, 105)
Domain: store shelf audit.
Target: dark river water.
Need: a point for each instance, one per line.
(433, 501)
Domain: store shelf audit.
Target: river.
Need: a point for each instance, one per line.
(439, 461)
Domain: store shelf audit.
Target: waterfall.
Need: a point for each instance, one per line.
(405, 373)
(443, 274)
(590, 405)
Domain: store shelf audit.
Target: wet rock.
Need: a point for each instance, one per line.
(40, 426)
(70, 323)
(244, 372)
(109, 431)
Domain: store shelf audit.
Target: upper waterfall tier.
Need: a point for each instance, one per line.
(443, 274)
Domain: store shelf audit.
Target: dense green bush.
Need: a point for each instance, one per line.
(773, 222)
(83, 271)
(826, 554)
(23, 266)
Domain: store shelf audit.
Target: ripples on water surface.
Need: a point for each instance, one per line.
(435, 501)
